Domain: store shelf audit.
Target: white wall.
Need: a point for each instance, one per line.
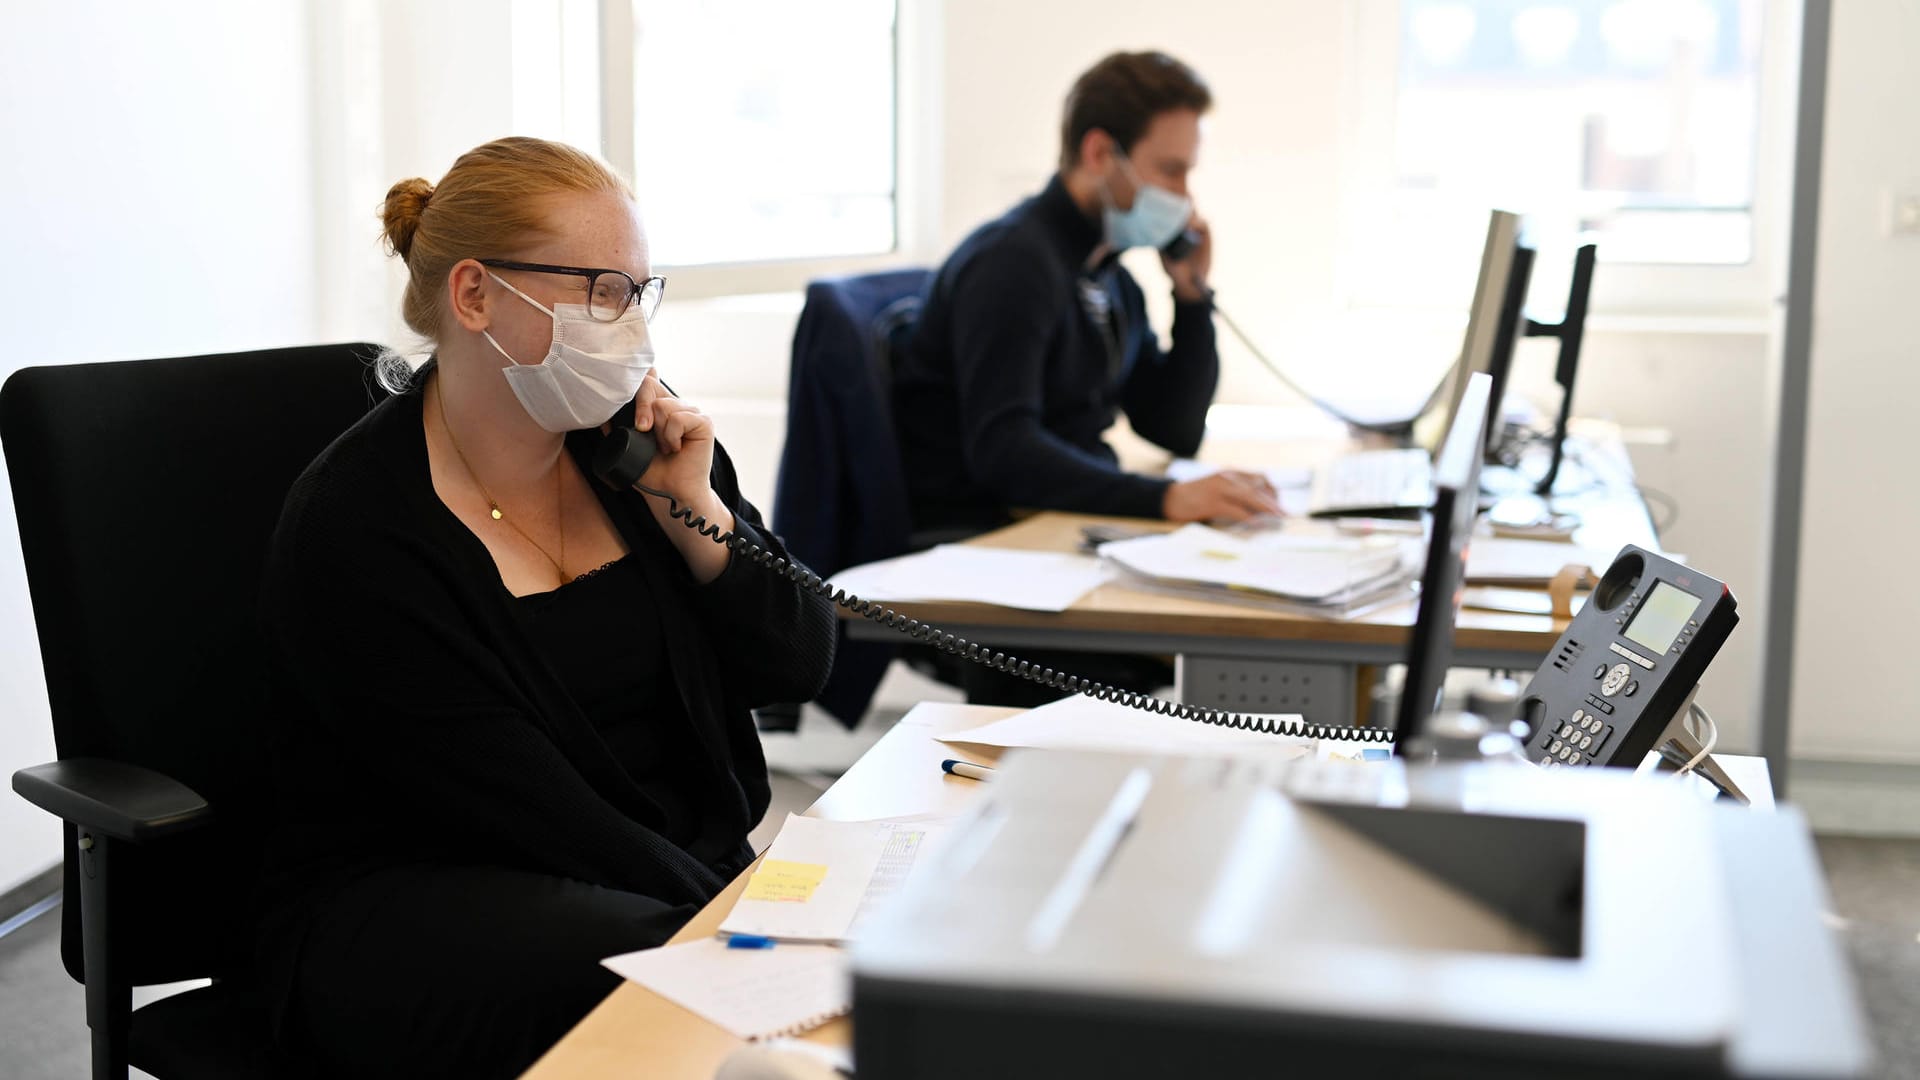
(1854, 697)
(156, 198)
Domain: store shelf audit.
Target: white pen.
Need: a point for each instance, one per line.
(967, 769)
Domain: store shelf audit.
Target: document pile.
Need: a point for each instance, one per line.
(1313, 572)
(1029, 580)
(812, 892)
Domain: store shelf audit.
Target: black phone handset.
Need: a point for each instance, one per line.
(622, 457)
(1181, 246)
(1621, 681)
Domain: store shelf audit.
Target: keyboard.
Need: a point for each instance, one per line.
(1378, 483)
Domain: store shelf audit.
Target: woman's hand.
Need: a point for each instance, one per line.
(683, 435)
(682, 467)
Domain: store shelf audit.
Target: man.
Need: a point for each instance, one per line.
(1034, 337)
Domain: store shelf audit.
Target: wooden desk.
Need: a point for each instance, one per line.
(635, 1032)
(1218, 643)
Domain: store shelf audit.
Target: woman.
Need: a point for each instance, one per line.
(518, 736)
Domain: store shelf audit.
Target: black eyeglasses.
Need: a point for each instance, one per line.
(609, 292)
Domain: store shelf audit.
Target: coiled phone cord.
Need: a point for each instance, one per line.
(999, 661)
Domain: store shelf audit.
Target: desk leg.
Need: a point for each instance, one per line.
(1365, 678)
(1322, 693)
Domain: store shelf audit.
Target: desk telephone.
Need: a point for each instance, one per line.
(1621, 680)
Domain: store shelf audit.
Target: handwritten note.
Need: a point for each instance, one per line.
(793, 897)
(785, 882)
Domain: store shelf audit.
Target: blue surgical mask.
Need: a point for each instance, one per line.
(1156, 218)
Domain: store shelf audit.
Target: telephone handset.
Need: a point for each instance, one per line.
(1621, 680)
(1181, 246)
(622, 455)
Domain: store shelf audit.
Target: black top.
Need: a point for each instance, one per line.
(605, 637)
(432, 717)
(1022, 358)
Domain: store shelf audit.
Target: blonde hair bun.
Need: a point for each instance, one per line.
(400, 216)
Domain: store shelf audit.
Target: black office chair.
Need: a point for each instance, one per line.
(841, 496)
(146, 492)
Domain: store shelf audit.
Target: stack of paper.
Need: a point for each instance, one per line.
(753, 993)
(1030, 580)
(1493, 560)
(1084, 723)
(818, 883)
(1329, 572)
(821, 879)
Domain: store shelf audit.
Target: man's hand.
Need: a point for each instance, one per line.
(1228, 495)
(1190, 274)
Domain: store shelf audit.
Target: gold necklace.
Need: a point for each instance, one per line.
(493, 505)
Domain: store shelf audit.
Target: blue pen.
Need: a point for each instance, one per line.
(967, 769)
(749, 941)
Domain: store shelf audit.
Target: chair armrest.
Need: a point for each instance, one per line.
(112, 797)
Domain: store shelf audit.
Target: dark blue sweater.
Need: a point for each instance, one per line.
(1001, 398)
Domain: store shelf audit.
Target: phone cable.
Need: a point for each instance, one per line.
(1396, 429)
(955, 645)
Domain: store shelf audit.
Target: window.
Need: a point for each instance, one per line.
(1634, 120)
(775, 123)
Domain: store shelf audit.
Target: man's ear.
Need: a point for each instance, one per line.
(467, 295)
(1096, 151)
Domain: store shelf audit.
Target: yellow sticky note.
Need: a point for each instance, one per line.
(785, 882)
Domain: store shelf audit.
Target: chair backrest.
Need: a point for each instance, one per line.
(841, 494)
(146, 493)
(841, 497)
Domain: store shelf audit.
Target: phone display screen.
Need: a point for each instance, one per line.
(1661, 617)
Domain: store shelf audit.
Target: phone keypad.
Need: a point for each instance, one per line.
(1577, 741)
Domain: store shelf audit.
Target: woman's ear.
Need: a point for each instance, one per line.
(467, 295)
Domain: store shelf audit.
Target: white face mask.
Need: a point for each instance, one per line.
(592, 368)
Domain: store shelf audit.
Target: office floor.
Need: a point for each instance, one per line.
(1875, 885)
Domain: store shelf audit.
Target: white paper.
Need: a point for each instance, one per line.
(1300, 567)
(866, 862)
(1029, 580)
(1503, 560)
(1084, 723)
(753, 993)
(1182, 469)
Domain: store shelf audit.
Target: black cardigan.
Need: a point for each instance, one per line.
(420, 722)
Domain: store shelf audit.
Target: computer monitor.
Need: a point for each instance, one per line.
(1507, 332)
(1569, 330)
(1456, 502)
(1492, 294)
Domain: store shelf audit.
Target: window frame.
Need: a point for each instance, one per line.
(916, 156)
(1710, 293)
